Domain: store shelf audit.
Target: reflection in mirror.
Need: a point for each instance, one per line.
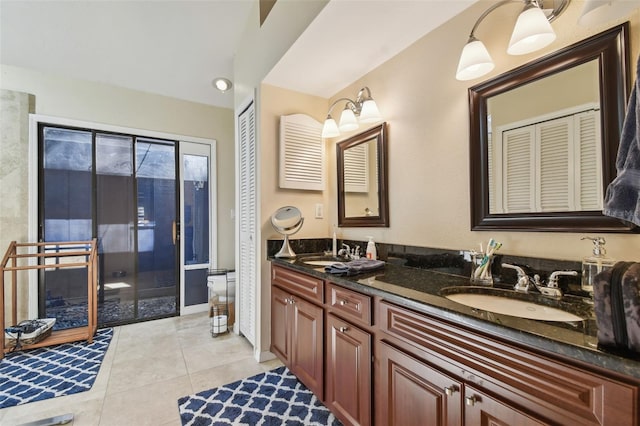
(544, 138)
(362, 193)
(544, 154)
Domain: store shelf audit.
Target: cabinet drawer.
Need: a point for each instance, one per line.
(555, 390)
(298, 283)
(349, 303)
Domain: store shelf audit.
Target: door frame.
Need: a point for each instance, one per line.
(35, 120)
(210, 150)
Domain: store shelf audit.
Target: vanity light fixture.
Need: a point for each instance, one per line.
(222, 84)
(364, 107)
(531, 32)
(598, 11)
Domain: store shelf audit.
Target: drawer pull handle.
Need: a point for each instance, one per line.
(343, 302)
(343, 329)
(450, 390)
(470, 401)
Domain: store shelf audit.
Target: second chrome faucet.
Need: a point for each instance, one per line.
(525, 283)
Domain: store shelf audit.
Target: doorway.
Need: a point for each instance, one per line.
(122, 190)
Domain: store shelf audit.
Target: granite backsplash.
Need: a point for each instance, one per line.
(456, 262)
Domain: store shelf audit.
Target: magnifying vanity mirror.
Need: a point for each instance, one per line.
(287, 221)
(362, 179)
(544, 139)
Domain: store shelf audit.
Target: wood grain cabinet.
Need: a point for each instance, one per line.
(428, 371)
(412, 393)
(348, 355)
(481, 409)
(499, 384)
(297, 327)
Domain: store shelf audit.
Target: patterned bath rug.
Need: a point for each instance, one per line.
(48, 372)
(268, 399)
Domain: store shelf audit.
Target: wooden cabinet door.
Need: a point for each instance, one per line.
(348, 386)
(412, 393)
(483, 410)
(280, 324)
(307, 347)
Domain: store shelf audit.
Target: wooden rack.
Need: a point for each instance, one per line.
(58, 255)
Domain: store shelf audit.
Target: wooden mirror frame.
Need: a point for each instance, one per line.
(611, 49)
(379, 133)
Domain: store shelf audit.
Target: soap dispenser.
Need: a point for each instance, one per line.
(371, 249)
(594, 264)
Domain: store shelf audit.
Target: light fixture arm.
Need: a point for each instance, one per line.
(356, 106)
(353, 105)
(528, 3)
(486, 13)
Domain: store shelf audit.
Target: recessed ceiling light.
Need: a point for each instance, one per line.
(222, 84)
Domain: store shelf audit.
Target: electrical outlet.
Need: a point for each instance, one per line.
(319, 211)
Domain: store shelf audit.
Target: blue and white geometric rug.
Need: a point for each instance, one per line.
(48, 372)
(273, 398)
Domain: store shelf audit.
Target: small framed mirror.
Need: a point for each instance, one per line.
(544, 139)
(362, 179)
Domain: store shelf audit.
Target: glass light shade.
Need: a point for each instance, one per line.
(475, 61)
(369, 112)
(596, 12)
(532, 32)
(348, 120)
(330, 128)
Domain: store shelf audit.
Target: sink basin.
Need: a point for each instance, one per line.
(508, 302)
(319, 260)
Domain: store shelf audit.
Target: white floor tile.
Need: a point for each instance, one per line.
(147, 367)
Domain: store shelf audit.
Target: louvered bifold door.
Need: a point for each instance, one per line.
(356, 168)
(247, 201)
(588, 161)
(555, 165)
(301, 153)
(518, 170)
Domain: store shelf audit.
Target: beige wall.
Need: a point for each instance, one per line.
(426, 108)
(100, 103)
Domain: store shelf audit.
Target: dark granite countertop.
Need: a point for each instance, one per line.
(420, 290)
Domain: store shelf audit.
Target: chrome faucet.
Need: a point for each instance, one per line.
(349, 253)
(524, 282)
(552, 288)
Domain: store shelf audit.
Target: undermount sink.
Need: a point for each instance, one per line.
(507, 302)
(319, 260)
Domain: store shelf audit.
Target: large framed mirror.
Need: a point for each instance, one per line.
(362, 179)
(544, 139)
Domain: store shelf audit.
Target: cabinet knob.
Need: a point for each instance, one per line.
(450, 390)
(343, 302)
(470, 401)
(343, 329)
(292, 301)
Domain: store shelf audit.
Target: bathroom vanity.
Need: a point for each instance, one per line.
(387, 348)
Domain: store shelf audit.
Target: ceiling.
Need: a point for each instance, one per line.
(176, 47)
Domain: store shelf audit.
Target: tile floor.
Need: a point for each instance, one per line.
(147, 367)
